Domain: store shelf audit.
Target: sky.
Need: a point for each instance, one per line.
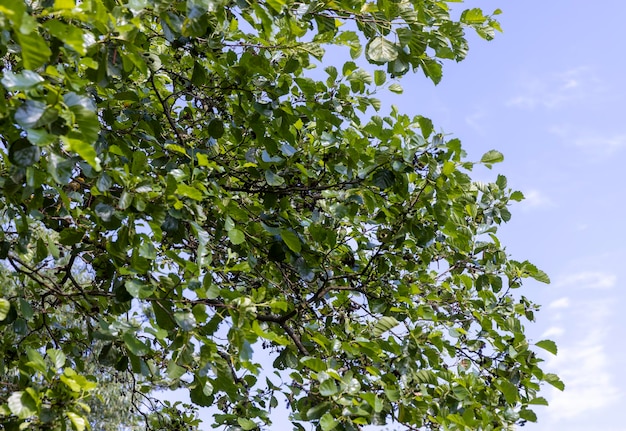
(549, 94)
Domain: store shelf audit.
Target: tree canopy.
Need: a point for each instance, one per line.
(188, 188)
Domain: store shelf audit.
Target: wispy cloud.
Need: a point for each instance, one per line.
(476, 120)
(553, 331)
(560, 303)
(557, 89)
(588, 280)
(594, 142)
(534, 199)
(584, 365)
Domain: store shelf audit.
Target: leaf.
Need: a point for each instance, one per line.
(328, 422)
(380, 50)
(517, 196)
(34, 114)
(185, 320)
(215, 128)
(5, 306)
(554, 380)
(315, 364)
(247, 424)
(25, 80)
(396, 88)
(78, 422)
(380, 77)
(548, 345)
(291, 239)
(137, 289)
(236, 236)
(492, 156)
(57, 357)
(189, 192)
(432, 69)
(35, 50)
(328, 387)
(84, 149)
(22, 405)
(473, 16)
(508, 389)
(273, 179)
(384, 324)
(134, 345)
(384, 178)
(22, 153)
(539, 401)
(70, 35)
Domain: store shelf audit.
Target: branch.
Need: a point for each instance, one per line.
(296, 338)
(166, 111)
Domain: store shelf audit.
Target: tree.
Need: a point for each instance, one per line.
(184, 180)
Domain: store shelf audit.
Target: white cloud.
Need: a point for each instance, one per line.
(560, 303)
(553, 331)
(534, 199)
(588, 280)
(556, 90)
(594, 142)
(584, 365)
(475, 120)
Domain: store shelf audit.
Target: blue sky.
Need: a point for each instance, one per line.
(549, 93)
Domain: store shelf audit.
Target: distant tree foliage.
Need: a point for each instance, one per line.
(188, 187)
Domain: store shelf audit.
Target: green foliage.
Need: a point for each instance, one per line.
(181, 194)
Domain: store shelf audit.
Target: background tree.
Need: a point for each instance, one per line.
(178, 178)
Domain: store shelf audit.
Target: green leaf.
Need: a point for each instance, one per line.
(492, 156)
(432, 69)
(315, 364)
(380, 77)
(57, 357)
(273, 179)
(396, 88)
(384, 324)
(25, 80)
(380, 50)
(292, 240)
(139, 289)
(22, 153)
(328, 387)
(517, 196)
(22, 404)
(185, 320)
(216, 128)
(548, 345)
(70, 35)
(84, 149)
(539, 401)
(134, 345)
(247, 424)
(35, 50)
(554, 380)
(189, 192)
(5, 306)
(78, 422)
(236, 236)
(34, 114)
(328, 422)
(508, 389)
(473, 16)
(384, 178)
